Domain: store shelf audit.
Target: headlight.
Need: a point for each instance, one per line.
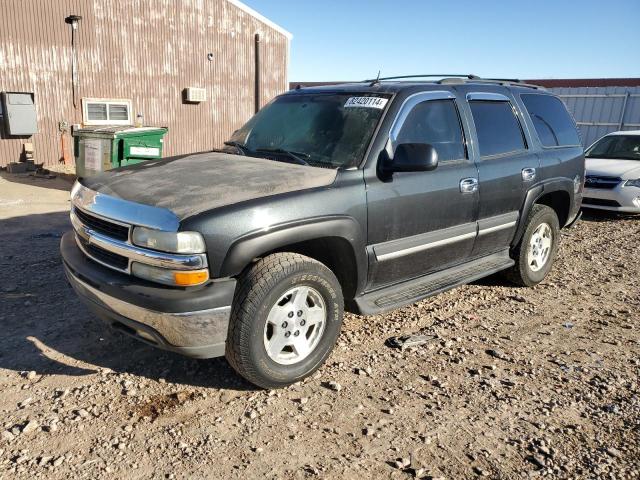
(632, 183)
(180, 278)
(174, 242)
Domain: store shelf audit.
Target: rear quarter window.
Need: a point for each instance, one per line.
(552, 122)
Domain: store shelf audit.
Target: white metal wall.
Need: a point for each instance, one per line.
(602, 110)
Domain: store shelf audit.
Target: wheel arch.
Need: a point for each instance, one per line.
(336, 242)
(556, 194)
(559, 201)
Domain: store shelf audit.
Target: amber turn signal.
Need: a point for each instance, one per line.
(190, 278)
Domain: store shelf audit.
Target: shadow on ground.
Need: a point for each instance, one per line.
(45, 327)
(595, 215)
(58, 182)
(599, 216)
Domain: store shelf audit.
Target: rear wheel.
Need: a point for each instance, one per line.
(535, 254)
(285, 320)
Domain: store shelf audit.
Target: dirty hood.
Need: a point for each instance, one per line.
(192, 184)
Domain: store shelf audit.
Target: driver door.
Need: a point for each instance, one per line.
(422, 222)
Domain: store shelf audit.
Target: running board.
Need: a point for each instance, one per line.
(406, 293)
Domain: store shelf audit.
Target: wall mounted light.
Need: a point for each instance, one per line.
(74, 20)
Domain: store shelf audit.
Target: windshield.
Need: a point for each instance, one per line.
(621, 147)
(325, 130)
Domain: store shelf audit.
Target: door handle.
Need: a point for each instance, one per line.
(528, 174)
(469, 185)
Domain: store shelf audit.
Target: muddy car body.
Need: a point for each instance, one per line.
(364, 196)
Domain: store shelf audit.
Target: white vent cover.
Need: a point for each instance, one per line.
(196, 94)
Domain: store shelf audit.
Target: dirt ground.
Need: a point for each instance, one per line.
(518, 383)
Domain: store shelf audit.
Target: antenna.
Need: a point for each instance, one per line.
(377, 80)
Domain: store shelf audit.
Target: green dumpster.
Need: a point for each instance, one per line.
(98, 149)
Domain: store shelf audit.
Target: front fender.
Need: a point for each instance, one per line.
(245, 249)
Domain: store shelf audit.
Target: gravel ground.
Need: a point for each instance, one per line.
(515, 383)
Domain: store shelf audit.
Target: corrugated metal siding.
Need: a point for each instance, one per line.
(599, 110)
(144, 50)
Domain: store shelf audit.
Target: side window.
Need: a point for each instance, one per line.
(551, 120)
(498, 129)
(435, 122)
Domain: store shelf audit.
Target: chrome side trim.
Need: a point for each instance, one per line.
(487, 96)
(182, 329)
(136, 254)
(122, 211)
(504, 226)
(498, 222)
(425, 246)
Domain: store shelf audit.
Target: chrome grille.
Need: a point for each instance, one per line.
(601, 202)
(106, 240)
(601, 182)
(102, 256)
(100, 225)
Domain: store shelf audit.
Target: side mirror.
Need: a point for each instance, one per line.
(413, 157)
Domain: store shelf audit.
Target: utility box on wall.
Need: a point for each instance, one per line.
(19, 113)
(195, 95)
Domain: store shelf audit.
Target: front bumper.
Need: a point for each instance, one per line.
(619, 199)
(192, 322)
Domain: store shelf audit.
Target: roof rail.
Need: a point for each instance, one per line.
(455, 78)
(494, 81)
(373, 81)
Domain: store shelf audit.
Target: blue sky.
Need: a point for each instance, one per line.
(353, 39)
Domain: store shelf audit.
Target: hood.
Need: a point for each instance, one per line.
(610, 167)
(192, 184)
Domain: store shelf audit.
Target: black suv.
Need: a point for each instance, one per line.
(364, 196)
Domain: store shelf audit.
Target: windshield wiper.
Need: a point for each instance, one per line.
(240, 146)
(298, 157)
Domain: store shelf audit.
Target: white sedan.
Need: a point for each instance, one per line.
(613, 173)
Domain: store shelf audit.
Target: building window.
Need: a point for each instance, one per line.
(100, 111)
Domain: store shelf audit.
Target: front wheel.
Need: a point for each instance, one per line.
(285, 320)
(537, 249)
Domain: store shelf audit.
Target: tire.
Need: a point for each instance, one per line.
(267, 294)
(529, 269)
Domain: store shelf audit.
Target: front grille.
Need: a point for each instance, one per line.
(600, 182)
(101, 255)
(105, 227)
(601, 202)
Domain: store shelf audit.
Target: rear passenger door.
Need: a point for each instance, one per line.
(420, 222)
(506, 168)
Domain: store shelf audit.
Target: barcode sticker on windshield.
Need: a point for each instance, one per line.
(366, 102)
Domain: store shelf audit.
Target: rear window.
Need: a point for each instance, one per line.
(553, 124)
(497, 127)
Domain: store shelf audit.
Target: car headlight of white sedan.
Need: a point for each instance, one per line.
(632, 183)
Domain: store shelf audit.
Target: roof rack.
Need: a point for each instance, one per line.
(459, 79)
(514, 81)
(491, 81)
(373, 81)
